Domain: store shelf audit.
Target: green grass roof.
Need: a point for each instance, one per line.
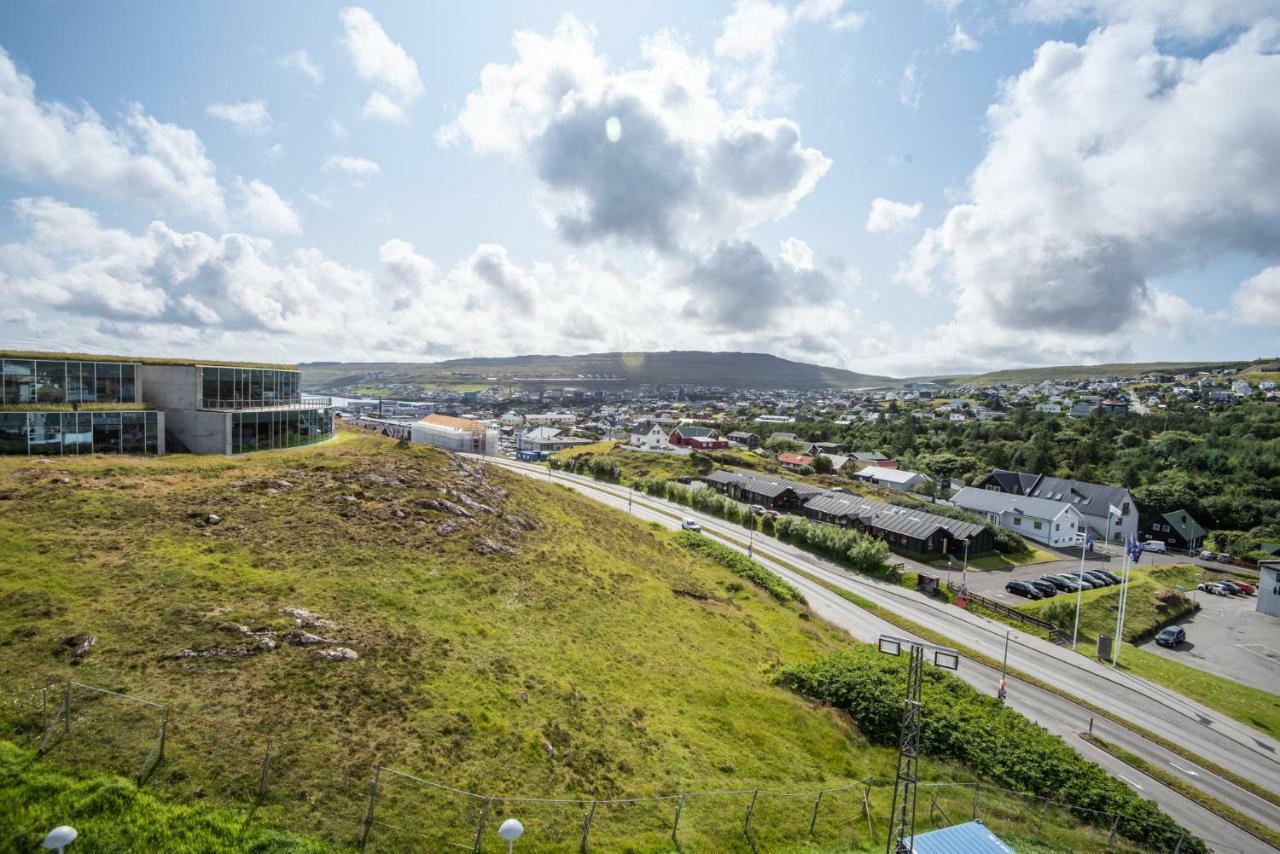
(141, 360)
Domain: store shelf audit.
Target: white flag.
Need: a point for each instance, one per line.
(1115, 511)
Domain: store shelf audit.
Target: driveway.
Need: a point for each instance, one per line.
(1230, 638)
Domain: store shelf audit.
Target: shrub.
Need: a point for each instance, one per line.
(961, 725)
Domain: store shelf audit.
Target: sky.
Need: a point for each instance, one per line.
(904, 187)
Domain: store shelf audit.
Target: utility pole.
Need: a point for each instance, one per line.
(902, 823)
(1004, 666)
(751, 542)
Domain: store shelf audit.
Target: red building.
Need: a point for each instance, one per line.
(698, 438)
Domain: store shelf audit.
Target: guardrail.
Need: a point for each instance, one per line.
(1056, 634)
(307, 401)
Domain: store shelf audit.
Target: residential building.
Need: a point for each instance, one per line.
(775, 419)
(774, 493)
(902, 528)
(899, 479)
(223, 408)
(1269, 587)
(794, 461)
(749, 441)
(1052, 523)
(538, 443)
(1093, 500)
(1177, 528)
(696, 437)
(550, 419)
(874, 458)
(461, 435)
(648, 436)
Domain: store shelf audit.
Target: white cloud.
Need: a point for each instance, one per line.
(830, 12)
(961, 42)
(301, 62)
(749, 42)
(248, 117)
(139, 159)
(1257, 300)
(260, 207)
(1198, 19)
(1109, 164)
(358, 169)
(910, 87)
(797, 254)
(684, 171)
(886, 215)
(384, 63)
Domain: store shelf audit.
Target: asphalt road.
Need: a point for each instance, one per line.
(1203, 731)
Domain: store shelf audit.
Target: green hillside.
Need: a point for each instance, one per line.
(733, 370)
(1087, 372)
(505, 645)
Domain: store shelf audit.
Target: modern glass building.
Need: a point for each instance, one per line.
(53, 405)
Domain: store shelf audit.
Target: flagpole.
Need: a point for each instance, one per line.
(1124, 595)
(1075, 633)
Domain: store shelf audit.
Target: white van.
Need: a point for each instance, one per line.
(1154, 546)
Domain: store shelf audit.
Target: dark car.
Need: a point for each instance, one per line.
(1106, 573)
(1171, 636)
(684, 478)
(1231, 587)
(1059, 582)
(1099, 579)
(1046, 588)
(1082, 580)
(1022, 588)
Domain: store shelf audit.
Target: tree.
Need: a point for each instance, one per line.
(822, 464)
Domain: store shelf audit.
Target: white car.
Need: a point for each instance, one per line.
(1154, 546)
(690, 525)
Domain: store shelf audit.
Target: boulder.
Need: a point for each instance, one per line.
(79, 645)
(337, 653)
(212, 519)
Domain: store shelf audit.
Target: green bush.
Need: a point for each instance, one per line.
(851, 548)
(741, 566)
(961, 725)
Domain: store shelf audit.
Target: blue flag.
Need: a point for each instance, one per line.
(1135, 549)
(1088, 540)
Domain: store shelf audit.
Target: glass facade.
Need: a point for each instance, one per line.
(248, 388)
(58, 433)
(279, 428)
(58, 381)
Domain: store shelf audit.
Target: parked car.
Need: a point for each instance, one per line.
(1158, 546)
(690, 524)
(1231, 587)
(1022, 588)
(1223, 557)
(1106, 573)
(1171, 636)
(1046, 588)
(1212, 587)
(1206, 555)
(1059, 582)
(1249, 589)
(757, 509)
(1082, 580)
(773, 514)
(1099, 579)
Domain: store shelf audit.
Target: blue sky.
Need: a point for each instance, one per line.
(900, 187)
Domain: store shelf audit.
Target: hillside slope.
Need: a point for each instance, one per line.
(505, 643)
(1087, 372)
(733, 370)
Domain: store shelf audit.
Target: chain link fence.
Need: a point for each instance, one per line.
(378, 808)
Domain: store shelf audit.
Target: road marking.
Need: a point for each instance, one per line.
(1130, 782)
(1183, 770)
(1261, 650)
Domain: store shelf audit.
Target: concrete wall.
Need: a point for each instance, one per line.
(1269, 588)
(171, 386)
(201, 431)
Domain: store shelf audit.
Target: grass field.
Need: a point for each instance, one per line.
(505, 647)
(997, 561)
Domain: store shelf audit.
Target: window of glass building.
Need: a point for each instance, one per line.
(19, 381)
(51, 382)
(288, 428)
(243, 388)
(107, 382)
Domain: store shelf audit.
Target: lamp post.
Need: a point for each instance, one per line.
(511, 830)
(1004, 666)
(59, 838)
(964, 573)
(751, 542)
(1075, 633)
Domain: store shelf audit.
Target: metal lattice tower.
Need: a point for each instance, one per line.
(902, 825)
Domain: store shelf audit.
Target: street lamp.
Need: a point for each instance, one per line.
(751, 541)
(1004, 667)
(60, 837)
(511, 830)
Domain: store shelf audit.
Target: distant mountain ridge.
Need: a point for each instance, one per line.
(673, 367)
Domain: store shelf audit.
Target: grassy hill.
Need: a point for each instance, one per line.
(504, 646)
(1086, 372)
(734, 370)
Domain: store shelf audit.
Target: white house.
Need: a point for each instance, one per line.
(899, 479)
(1241, 388)
(1053, 523)
(648, 436)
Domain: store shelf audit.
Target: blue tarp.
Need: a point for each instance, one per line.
(970, 838)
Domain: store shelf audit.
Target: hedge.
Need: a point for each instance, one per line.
(961, 725)
(741, 566)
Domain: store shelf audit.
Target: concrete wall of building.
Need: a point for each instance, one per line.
(201, 431)
(1269, 588)
(171, 386)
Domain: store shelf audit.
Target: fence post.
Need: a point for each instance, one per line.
(1040, 824)
(368, 816)
(1178, 848)
(746, 822)
(813, 822)
(866, 808)
(66, 709)
(164, 734)
(675, 826)
(586, 827)
(1111, 837)
(265, 779)
(976, 787)
(484, 814)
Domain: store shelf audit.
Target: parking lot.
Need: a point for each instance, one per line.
(1227, 636)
